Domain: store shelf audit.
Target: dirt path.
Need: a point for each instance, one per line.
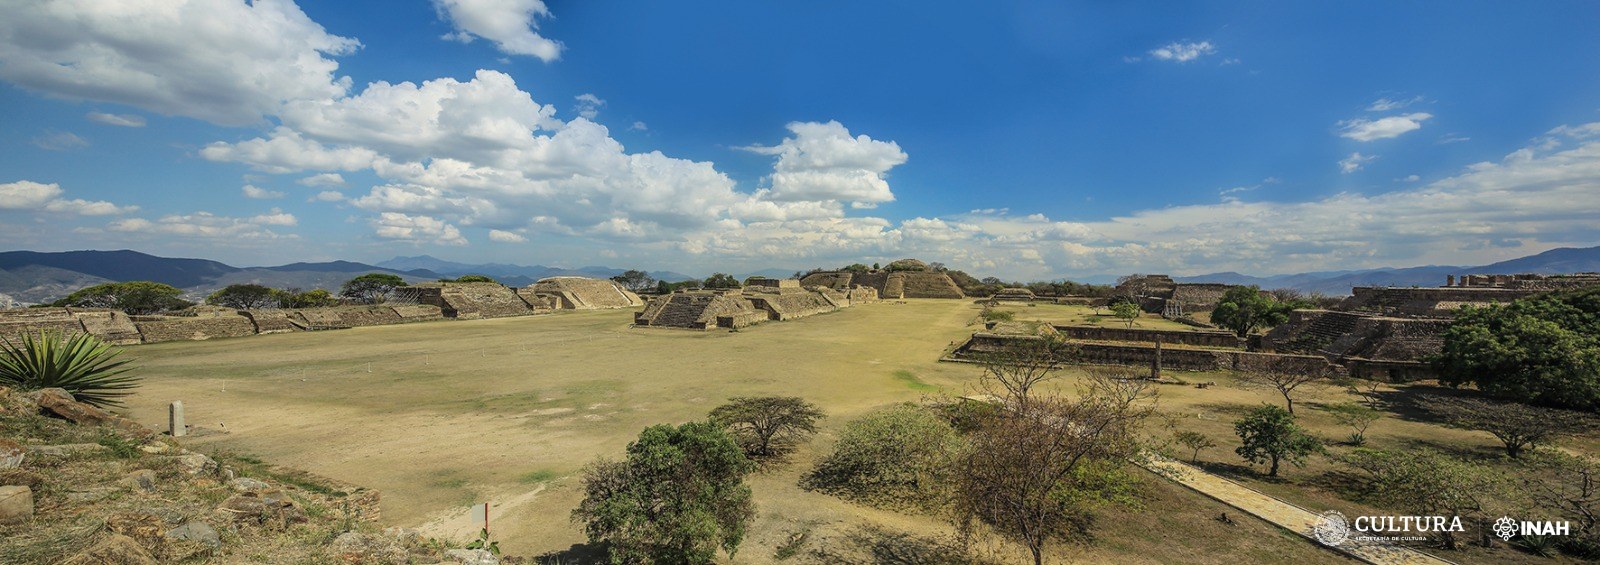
(1284, 514)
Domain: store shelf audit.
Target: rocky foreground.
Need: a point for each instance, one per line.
(80, 485)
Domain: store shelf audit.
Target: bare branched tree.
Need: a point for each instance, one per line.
(1520, 427)
(1285, 381)
(1033, 472)
(1014, 370)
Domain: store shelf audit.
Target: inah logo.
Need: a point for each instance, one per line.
(1331, 528)
(1505, 527)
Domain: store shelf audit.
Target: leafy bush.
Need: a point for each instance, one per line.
(1541, 350)
(766, 426)
(82, 364)
(678, 497)
(891, 455)
(246, 296)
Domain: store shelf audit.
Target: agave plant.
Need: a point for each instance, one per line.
(82, 364)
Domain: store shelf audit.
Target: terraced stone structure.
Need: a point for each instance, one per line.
(1137, 351)
(110, 325)
(699, 310)
(1438, 302)
(1529, 281)
(760, 300)
(906, 278)
(1160, 294)
(469, 300)
(582, 293)
(1369, 346)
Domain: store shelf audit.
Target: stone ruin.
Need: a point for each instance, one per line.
(906, 278)
(1369, 346)
(1177, 349)
(1526, 281)
(581, 293)
(760, 300)
(112, 326)
(1013, 294)
(201, 323)
(470, 300)
(1159, 294)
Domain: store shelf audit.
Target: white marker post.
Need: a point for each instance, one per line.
(480, 516)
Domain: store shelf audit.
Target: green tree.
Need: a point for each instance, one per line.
(721, 281)
(1541, 350)
(1357, 417)
(471, 279)
(635, 280)
(678, 497)
(768, 425)
(1195, 442)
(1126, 311)
(1245, 309)
(1269, 435)
(857, 268)
(1427, 483)
(244, 296)
(134, 297)
(371, 288)
(893, 455)
(663, 287)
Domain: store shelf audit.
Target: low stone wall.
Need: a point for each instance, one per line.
(1175, 358)
(271, 321)
(417, 312)
(157, 329)
(1168, 337)
(15, 323)
(1427, 302)
(1390, 371)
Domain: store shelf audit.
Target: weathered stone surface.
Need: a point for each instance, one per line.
(59, 402)
(195, 531)
(472, 556)
(403, 536)
(16, 504)
(143, 527)
(356, 547)
(11, 454)
(115, 550)
(196, 464)
(246, 484)
(142, 480)
(66, 449)
(271, 509)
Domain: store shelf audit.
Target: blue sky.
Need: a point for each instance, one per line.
(1022, 139)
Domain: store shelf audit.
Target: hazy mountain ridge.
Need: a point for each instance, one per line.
(514, 275)
(1554, 261)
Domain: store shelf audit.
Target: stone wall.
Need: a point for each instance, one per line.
(417, 312)
(1175, 358)
(581, 293)
(790, 305)
(272, 321)
(889, 285)
(17, 322)
(1439, 302)
(862, 295)
(837, 280)
(1199, 296)
(1168, 337)
(1389, 348)
(1528, 281)
(157, 329)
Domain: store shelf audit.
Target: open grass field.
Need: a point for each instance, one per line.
(439, 416)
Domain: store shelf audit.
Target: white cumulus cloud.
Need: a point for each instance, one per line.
(821, 162)
(223, 61)
(258, 193)
(512, 25)
(1355, 162)
(1183, 52)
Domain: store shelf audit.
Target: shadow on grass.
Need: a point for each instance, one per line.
(884, 547)
(1236, 472)
(578, 553)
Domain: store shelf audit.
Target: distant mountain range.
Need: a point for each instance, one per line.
(30, 277)
(34, 277)
(1563, 260)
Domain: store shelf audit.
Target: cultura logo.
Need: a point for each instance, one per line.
(1505, 527)
(1331, 528)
